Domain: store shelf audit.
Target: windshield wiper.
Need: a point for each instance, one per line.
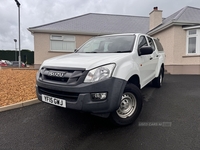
(123, 51)
(90, 52)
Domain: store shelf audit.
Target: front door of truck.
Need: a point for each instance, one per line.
(154, 57)
(146, 63)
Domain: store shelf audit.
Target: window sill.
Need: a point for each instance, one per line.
(192, 55)
(60, 51)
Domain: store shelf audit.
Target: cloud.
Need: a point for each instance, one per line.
(38, 12)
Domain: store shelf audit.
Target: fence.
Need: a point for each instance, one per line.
(26, 56)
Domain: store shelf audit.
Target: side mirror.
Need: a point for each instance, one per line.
(145, 50)
(75, 50)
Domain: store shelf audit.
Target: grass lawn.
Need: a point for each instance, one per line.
(16, 86)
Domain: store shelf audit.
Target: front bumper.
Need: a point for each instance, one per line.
(79, 96)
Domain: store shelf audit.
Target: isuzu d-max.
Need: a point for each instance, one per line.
(104, 76)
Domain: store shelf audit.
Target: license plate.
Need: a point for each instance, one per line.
(54, 101)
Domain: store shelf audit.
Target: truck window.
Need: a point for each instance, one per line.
(142, 42)
(109, 44)
(93, 45)
(158, 44)
(151, 43)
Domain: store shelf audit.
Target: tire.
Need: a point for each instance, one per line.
(158, 81)
(130, 106)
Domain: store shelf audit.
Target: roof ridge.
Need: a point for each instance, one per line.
(118, 15)
(193, 7)
(181, 11)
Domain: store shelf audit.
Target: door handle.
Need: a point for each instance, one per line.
(150, 58)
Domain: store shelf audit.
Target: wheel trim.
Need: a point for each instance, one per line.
(127, 106)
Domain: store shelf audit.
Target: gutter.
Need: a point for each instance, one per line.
(68, 32)
(192, 27)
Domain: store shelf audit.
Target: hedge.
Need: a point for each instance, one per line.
(11, 55)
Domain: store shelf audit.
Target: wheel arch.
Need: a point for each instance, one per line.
(158, 69)
(163, 67)
(135, 80)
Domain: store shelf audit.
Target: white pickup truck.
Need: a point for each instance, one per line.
(104, 76)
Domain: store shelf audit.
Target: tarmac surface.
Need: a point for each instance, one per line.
(170, 119)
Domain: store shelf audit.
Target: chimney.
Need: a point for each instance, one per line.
(155, 18)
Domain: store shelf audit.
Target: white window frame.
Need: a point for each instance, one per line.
(63, 39)
(197, 35)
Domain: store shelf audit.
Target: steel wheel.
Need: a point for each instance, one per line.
(130, 105)
(127, 106)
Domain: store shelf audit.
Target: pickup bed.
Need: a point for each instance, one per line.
(104, 76)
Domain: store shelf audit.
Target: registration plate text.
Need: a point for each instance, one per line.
(54, 101)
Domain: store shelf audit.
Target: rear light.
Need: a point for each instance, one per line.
(3, 64)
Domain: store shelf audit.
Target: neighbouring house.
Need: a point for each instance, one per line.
(179, 34)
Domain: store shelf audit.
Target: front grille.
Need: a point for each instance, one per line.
(56, 79)
(69, 97)
(67, 76)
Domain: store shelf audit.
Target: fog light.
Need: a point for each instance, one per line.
(99, 96)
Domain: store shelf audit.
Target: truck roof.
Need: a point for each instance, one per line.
(122, 34)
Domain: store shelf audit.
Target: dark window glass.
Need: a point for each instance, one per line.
(142, 42)
(158, 44)
(151, 43)
(192, 31)
(192, 45)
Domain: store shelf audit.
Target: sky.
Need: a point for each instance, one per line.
(39, 12)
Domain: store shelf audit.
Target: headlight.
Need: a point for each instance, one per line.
(100, 73)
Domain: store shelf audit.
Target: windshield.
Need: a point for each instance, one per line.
(109, 44)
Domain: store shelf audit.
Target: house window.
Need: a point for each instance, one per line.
(63, 43)
(193, 45)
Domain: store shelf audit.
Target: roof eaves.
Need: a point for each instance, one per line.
(185, 22)
(191, 27)
(70, 32)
